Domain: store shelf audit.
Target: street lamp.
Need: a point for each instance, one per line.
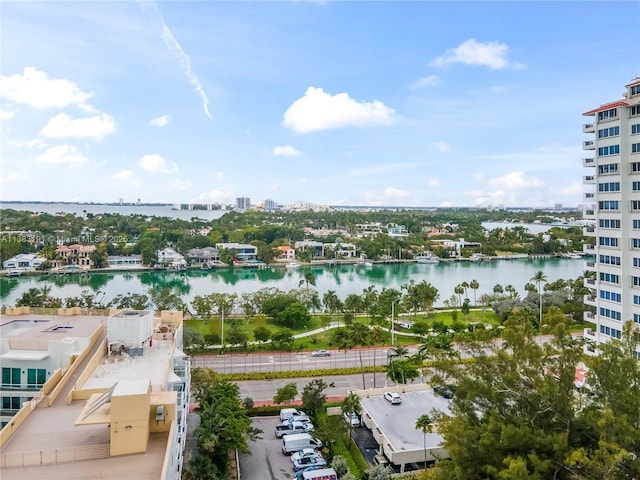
(393, 330)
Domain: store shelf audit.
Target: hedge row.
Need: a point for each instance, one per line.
(236, 377)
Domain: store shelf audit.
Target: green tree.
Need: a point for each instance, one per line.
(538, 278)
(286, 394)
(351, 405)
(474, 285)
(424, 423)
(360, 337)
(308, 278)
(314, 396)
(261, 334)
(294, 316)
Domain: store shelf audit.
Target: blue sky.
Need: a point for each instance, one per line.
(352, 103)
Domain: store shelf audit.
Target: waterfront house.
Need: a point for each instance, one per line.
(124, 261)
(243, 252)
(285, 254)
(203, 256)
(172, 259)
(315, 248)
(75, 254)
(24, 262)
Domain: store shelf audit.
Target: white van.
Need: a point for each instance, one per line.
(287, 413)
(323, 474)
(297, 441)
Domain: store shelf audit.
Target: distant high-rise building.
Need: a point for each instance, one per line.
(243, 203)
(270, 205)
(615, 210)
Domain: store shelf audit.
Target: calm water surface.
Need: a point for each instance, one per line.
(343, 279)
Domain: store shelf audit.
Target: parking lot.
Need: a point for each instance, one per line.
(266, 462)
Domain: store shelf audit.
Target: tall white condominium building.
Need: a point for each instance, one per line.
(615, 208)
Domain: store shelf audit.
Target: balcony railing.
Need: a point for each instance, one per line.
(589, 179)
(589, 317)
(589, 214)
(589, 195)
(588, 162)
(589, 128)
(590, 300)
(589, 282)
(589, 145)
(588, 248)
(590, 265)
(589, 231)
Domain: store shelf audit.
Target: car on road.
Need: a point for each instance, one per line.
(393, 398)
(305, 462)
(445, 391)
(321, 353)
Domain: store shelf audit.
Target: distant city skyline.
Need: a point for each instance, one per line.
(434, 104)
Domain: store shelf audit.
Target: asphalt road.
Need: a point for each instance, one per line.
(264, 390)
(276, 361)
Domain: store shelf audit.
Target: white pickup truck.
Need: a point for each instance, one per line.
(293, 427)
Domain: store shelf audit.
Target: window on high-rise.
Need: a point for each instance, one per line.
(635, 243)
(635, 128)
(635, 281)
(609, 205)
(608, 168)
(635, 205)
(635, 147)
(612, 296)
(609, 132)
(635, 167)
(609, 187)
(608, 313)
(635, 186)
(635, 90)
(636, 224)
(610, 332)
(609, 150)
(608, 241)
(635, 110)
(609, 223)
(636, 299)
(609, 260)
(609, 278)
(606, 114)
(636, 262)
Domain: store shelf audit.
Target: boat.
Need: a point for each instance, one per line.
(14, 273)
(292, 265)
(367, 263)
(572, 255)
(426, 257)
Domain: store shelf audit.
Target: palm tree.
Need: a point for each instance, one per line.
(376, 335)
(459, 290)
(474, 285)
(538, 278)
(360, 337)
(424, 423)
(351, 405)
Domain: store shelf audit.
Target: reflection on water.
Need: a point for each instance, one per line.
(343, 279)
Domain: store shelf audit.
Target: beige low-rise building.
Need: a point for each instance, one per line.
(114, 402)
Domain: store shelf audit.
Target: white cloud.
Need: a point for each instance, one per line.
(442, 147)
(285, 151)
(128, 178)
(433, 183)
(214, 196)
(219, 175)
(490, 54)
(180, 185)
(390, 192)
(154, 163)
(35, 143)
(12, 177)
(430, 81)
(318, 110)
(161, 121)
(6, 115)
(516, 181)
(63, 126)
(36, 89)
(63, 155)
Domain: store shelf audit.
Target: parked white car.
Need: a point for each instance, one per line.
(353, 419)
(393, 398)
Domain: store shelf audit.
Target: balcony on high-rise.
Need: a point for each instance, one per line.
(589, 249)
(590, 266)
(589, 128)
(590, 300)
(588, 162)
(590, 317)
(589, 231)
(589, 214)
(589, 179)
(589, 145)
(589, 282)
(589, 195)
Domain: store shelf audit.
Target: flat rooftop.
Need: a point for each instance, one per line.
(36, 329)
(153, 365)
(398, 422)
